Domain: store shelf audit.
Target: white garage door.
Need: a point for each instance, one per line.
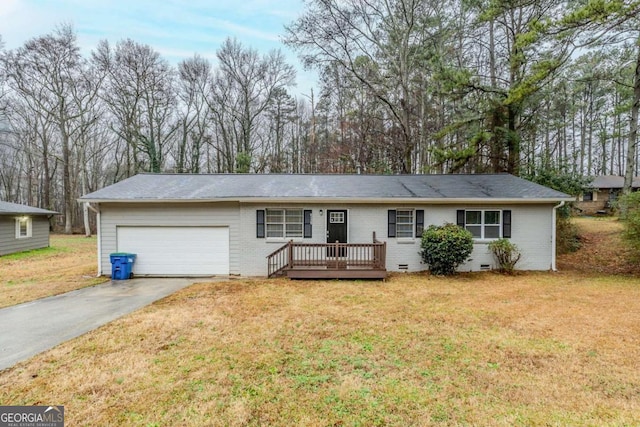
(176, 251)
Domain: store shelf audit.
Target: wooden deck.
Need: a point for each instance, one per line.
(329, 261)
(332, 273)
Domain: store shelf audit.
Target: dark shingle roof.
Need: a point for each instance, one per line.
(246, 187)
(7, 208)
(613, 181)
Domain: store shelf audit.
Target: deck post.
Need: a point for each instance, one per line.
(290, 261)
(383, 264)
(329, 260)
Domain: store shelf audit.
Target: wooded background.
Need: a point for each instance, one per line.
(406, 86)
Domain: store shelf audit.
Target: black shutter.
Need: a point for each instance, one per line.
(419, 222)
(391, 229)
(307, 224)
(460, 220)
(506, 224)
(260, 223)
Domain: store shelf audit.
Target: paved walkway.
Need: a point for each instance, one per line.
(33, 327)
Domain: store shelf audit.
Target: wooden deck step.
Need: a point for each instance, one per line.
(352, 273)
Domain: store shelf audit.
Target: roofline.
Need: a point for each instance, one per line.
(319, 174)
(390, 200)
(29, 213)
(611, 187)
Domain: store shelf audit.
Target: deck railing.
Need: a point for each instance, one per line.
(327, 255)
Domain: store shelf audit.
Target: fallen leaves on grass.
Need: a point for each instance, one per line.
(602, 249)
(477, 349)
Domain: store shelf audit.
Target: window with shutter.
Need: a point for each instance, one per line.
(391, 223)
(404, 224)
(486, 224)
(307, 224)
(283, 223)
(419, 222)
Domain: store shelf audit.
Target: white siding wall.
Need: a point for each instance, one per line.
(253, 258)
(531, 232)
(531, 228)
(184, 214)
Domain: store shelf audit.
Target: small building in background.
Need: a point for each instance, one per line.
(605, 191)
(23, 227)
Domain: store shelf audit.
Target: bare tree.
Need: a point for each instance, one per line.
(50, 75)
(2, 87)
(194, 91)
(384, 44)
(250, 82)
(31, 138)
(280, 115)
(139, 92)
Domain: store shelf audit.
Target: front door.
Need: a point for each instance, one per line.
(336, 230)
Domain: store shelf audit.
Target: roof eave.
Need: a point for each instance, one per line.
(389, 200)
(28, 213)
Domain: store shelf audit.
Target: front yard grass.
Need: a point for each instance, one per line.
(68, 263)
(477, 349)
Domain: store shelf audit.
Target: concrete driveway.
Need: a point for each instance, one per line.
(30, 328)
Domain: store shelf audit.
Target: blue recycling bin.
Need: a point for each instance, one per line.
(121, 265)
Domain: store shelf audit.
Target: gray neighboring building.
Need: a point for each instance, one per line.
(604, 192)
(23, 228)
(219, 224)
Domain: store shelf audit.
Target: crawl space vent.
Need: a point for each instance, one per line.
(485, 267)
(404, 267)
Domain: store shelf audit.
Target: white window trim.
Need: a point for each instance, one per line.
(411, 238)
(482, 224)
(593, 196)
(29, 221)
(339, 214)
(282, 238)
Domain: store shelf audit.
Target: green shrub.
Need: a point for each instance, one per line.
(567, 236)
(506, 254)
(445, 247)
(630, 205)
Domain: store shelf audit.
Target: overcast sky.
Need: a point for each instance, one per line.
(175, 28)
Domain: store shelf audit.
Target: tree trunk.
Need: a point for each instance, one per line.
(66, 181)
(513, 143)
(85, 206)
(632, 145)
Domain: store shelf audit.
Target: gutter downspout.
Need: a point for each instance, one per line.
(553, 236)
(99, 233)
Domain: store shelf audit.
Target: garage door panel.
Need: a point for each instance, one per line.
(176, 250)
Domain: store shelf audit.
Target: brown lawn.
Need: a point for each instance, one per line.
(478, 349)
(69, 263)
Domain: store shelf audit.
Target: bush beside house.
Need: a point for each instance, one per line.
(445, 247)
